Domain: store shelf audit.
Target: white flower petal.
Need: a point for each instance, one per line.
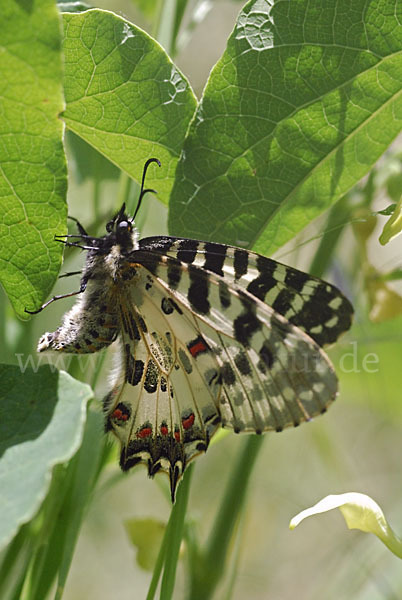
(360, 512)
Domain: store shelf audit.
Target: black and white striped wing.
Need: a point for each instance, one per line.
(315, 306)
(260, 354)
(199, 352)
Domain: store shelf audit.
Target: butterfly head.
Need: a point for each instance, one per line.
(122, 232)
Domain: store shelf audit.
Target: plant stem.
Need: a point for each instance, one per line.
(211, 566)
(337, 219)
(124, 189)
(159, 564)
(171, 540)
(175, 535)
(3, 348)
(166, 24)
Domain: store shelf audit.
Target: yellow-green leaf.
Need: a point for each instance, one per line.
(393, 226)
(124, 96)
(301, 105)
(360, 512)
(146, 535)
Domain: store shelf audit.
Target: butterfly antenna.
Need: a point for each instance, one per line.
(145, 191)
(120, 214)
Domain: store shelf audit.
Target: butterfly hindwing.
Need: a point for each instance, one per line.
(277, 381)
(163, 406)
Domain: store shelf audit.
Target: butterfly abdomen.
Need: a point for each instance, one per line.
(90, 325)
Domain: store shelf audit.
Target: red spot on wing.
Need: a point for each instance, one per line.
(164, 430)
(197, 346)
(144, 432)
(119, 415)
(188, 422)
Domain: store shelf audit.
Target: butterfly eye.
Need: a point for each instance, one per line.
(124, 225)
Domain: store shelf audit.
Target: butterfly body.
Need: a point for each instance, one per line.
(93, 322)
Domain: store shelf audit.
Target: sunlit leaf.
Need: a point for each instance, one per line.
(300, 106)
(124, 96)
(33, 178)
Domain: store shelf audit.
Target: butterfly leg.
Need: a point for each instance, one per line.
(70, 274)
(59, 297)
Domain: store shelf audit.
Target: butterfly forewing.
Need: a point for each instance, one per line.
(273, 375)
(313, 305)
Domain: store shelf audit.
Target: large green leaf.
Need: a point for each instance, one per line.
(124, 95)
(42, 417)
(305, 99)
(33, 170)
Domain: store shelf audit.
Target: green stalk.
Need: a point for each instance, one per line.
(96, 193)
(159, 563)
(3, 348)
(175, 536)
(338, 218)
(14, 564)
(124, 189)
(84, 475)
(166, 24)
(47, 521)
(172, 541)
(212, 564)
(234, 567)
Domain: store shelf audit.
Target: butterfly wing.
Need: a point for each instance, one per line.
(315, 306)
(199, 352)
(260, 354)
(163, 406)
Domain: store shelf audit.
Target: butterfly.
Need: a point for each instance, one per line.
(210, 336)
